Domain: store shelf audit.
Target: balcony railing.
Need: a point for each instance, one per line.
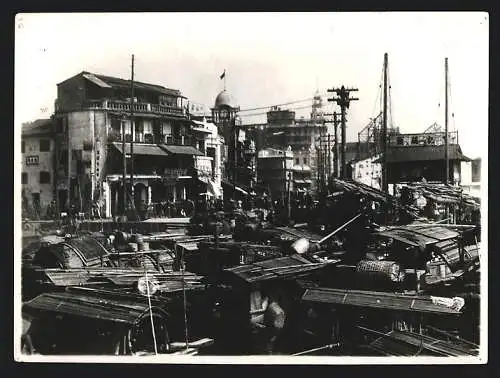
(115, 136)
(137, 107)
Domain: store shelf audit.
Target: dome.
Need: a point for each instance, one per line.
(224, 99)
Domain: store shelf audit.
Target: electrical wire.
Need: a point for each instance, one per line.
(264, 113)
(285, 103)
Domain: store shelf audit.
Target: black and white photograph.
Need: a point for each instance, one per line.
(241, 188)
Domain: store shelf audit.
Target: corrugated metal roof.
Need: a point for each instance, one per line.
(181, 150)
(282, 267)
(423, 153)
(90, 306)
(419, 235)
(142, 149)
(96, 80)
(374, 299)
(117, 82)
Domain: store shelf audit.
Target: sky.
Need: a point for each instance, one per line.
(272, 58)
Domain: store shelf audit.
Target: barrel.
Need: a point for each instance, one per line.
(380, 270)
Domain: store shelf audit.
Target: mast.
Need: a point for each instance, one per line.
(384, 129)
(132, 128)
(447, 166)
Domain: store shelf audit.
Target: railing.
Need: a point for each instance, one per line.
(115, 136)
(137, 107)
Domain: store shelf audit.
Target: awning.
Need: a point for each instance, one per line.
(181, 150)
(142, 149)
(200, 127)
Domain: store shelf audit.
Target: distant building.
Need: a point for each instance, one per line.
(275, 171)
(368, 171)
(92, 119)
(284, 130)
(415, 163)
(471, 177)
(37, 173)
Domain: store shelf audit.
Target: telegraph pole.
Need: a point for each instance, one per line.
(132, 128)
(343, 100)
(329, 157)
(447, 167)
(124, 174)
(384, 129)
(337, 149)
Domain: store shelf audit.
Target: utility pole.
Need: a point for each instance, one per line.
(447, 166)
(384, 129)
(132, 128)
(124, 174)
(329, 157)
(343, 100)
(337, 149)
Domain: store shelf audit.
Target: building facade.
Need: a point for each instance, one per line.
(275, 172)
(97, 122)
(37, 178)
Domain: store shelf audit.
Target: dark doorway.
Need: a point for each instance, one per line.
(62, 196)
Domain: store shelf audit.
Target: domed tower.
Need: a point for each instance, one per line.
(224, 114)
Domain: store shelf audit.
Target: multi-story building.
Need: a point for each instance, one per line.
(96, 120)
(414, 157)
(275, 171)
(37, 178)
(284, 130)
(209, 165)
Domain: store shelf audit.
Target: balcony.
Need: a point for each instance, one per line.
(115, 136)
(137, 107)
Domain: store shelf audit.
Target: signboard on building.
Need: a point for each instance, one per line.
(32, 160)
(172, 173)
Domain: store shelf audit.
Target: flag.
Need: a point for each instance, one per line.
(223, 75)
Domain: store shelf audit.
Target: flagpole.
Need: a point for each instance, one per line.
(224, 79)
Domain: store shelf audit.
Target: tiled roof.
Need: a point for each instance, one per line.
(142, 149)
(105, 81)
(424, 153)
(181, 150)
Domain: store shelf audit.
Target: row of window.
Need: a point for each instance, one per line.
(44, 178)
(44, 145)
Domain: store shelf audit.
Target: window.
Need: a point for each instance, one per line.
(305, 160)
(32, 160)
(297, 161)
(400, 141)
(44, 177)
(23, 146)
(24, 178)
(44, 145)
(414, 140)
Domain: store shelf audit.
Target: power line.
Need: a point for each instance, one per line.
(285, 103)
(263, 113)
